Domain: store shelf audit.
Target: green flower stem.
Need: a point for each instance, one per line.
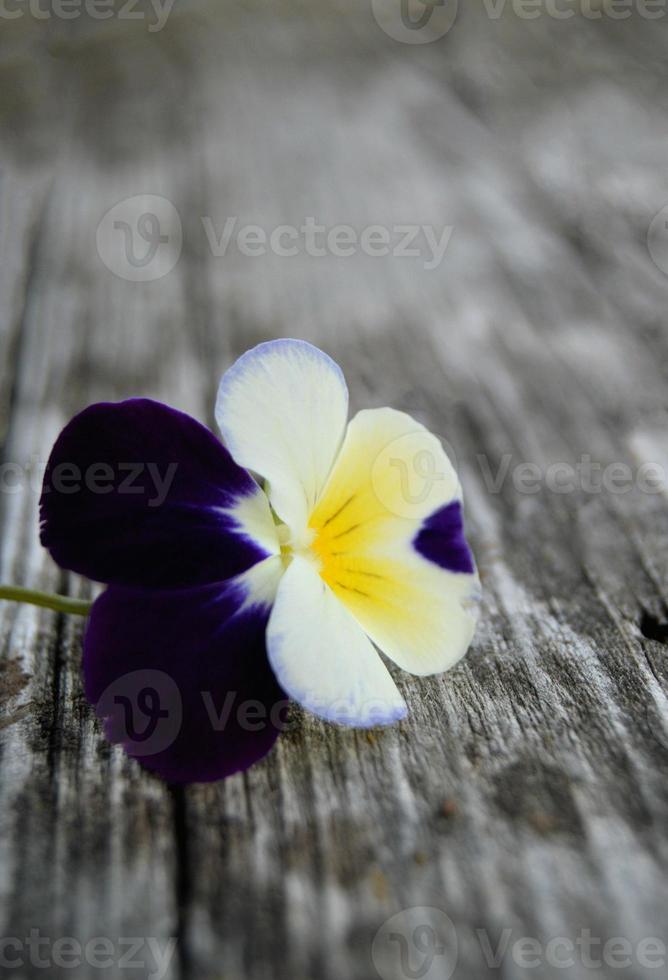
(59, 603)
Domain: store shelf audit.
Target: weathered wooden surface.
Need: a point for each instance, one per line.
(527, 789)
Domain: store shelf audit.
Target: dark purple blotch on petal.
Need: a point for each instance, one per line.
(181, 680)
(441, 540)
(134, 494)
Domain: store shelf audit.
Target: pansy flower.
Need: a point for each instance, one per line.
(288, 561)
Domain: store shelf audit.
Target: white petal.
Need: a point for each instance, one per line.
(282, 410)
(252, 517)
(258, 584)
(321, 657)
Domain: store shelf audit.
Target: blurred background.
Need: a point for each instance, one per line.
(467, 206)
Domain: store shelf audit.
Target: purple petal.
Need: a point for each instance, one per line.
(181, 679)
(441, 540)
(135, 494)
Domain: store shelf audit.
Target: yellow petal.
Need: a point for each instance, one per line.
(390, 476)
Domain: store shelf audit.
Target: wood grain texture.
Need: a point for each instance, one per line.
(527, 788)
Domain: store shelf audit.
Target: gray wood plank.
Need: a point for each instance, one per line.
(526, 790)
